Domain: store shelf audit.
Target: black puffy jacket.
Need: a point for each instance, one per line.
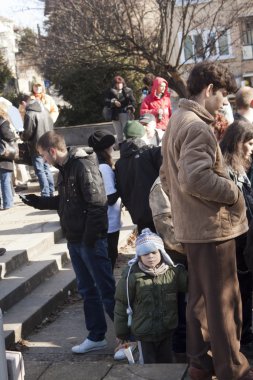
(136, 171)
(82, 202)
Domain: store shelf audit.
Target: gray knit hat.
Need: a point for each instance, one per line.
(148, 242)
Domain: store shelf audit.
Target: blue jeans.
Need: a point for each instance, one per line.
(6, 188)
(95, 283)
(45, 177)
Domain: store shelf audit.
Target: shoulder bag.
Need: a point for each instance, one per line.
(8, 150)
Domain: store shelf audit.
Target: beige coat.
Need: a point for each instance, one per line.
(160, 205)
(206, 205)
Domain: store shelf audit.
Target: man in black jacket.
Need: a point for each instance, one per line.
(37, 121)
(136, 171)
(82, 207)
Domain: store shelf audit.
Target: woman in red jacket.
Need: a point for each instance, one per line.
(158, 103)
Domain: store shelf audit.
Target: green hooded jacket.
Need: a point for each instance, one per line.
(153, 301)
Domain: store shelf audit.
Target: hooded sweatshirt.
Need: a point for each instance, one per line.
(135, 172)
(158, 106)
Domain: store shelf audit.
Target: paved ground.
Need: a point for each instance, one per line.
(47, 352)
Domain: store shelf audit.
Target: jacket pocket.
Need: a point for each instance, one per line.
(237, 211)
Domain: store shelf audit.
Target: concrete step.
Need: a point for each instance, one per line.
(94, 370)
(24, 316)
(39, 240)
(23, 280)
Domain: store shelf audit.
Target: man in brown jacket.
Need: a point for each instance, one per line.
(208, 212)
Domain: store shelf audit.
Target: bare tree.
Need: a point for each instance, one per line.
(158, 36)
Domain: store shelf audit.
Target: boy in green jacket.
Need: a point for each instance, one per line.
(146, 299)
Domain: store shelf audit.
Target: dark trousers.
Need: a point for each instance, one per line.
(156, 352)
(179, 336)
(96, 285)
(113, 239)
(214, 316)
(142, 225)
(246, 288)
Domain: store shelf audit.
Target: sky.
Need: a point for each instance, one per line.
(24, 13)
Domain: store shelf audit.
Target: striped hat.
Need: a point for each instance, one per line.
(148, 242)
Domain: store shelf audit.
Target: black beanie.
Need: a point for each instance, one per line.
(101, 139)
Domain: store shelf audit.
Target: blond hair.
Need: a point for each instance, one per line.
(244, 97)
(3, 113)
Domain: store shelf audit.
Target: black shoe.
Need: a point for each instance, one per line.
(2, 251)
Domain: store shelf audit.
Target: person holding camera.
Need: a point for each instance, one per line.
(158, 103)
(121, 100)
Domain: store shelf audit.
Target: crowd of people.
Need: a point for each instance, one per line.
(38, 112)
(186, 180)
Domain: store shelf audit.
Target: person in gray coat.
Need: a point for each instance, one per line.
(37, 121)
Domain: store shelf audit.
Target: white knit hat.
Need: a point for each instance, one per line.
(148, 242)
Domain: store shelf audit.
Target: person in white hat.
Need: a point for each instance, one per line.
(146, 299)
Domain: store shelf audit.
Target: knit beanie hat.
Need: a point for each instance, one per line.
(101, 139)
(148, 242)
(134, 128)
(146, 118)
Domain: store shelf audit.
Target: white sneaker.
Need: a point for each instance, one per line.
(88, 345)
(120, 354)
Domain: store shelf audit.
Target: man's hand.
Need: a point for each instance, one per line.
(117, 103)
(32, 200)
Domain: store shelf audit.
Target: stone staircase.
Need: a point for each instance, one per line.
(35, 273)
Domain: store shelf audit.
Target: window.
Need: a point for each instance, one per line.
(205, 44)
(223, 44)
(211, 41)
(247, 31)
(198, 45)
(188, 47)
(247, 38)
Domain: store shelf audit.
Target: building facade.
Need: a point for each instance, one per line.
(220, 31)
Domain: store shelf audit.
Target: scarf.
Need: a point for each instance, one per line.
(154, 272)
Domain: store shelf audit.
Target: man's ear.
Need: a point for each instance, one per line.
(209, 90)
(51, 151)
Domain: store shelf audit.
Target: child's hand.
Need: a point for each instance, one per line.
(120, 344)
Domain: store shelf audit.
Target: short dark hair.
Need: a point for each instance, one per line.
(52, 139)
(25, 98)
(148, 79)
(118, 79)
(205, 73)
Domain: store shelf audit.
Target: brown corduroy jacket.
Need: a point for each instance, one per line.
(206, 204)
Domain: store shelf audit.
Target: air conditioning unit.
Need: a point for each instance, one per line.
(247, 52)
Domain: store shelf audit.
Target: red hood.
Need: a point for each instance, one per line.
(156, 83)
